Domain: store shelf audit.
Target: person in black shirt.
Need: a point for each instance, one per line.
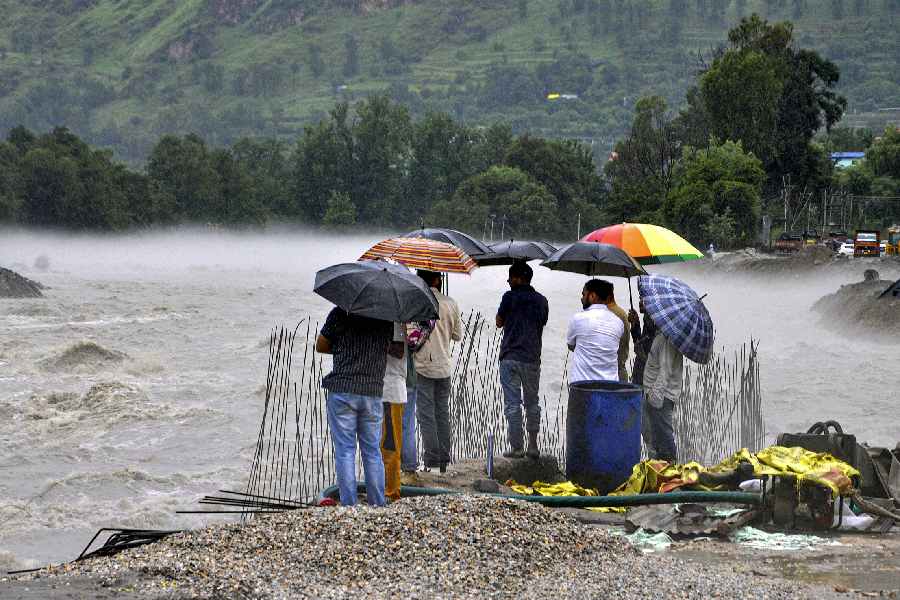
(355, 386)
(522, 315)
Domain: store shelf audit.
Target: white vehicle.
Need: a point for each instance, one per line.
(846, 249)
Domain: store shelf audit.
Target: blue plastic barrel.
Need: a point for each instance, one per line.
(603, 433)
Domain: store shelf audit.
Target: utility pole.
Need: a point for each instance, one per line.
(578, 230)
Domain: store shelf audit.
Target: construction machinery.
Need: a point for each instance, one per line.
(893, 241)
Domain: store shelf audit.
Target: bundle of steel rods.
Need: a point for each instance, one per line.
(719, 412)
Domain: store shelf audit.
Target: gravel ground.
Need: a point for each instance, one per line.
(441, 547)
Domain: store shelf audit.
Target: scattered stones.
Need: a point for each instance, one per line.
(431, 547)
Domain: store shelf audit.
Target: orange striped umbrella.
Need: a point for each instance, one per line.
(422, 253)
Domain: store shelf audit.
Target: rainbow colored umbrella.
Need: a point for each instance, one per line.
(647, 244)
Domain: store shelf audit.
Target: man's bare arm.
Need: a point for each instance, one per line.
(323, 345)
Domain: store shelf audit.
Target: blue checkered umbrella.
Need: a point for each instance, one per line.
(679, 314)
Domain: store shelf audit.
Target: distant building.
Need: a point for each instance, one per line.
(842, 160)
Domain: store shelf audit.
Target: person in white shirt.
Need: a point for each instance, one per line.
(594, 336)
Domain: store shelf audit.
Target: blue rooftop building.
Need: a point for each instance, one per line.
(842, 160)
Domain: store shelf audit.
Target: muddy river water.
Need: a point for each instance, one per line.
(135, 385)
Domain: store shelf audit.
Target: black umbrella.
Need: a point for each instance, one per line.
(506, 253)
(595, 259)
(463, 241)
(378, 290)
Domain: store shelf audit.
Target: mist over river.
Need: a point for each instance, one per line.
(135, 386)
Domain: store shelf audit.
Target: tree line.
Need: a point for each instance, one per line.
(369, 164)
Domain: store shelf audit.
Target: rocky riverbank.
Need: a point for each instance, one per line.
(810, 260)
(858, 308)
(13, 285)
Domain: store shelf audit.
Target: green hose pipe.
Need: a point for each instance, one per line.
(408, 491)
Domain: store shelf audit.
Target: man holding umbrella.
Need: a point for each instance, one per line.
(370, 297)
(685, 330)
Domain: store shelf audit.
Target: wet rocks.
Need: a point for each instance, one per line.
(436, 547)
(13, 285)
(861, 308)
(84, 355)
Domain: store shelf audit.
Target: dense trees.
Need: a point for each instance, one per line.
(772, 96)
(369, 165)
(717, 195)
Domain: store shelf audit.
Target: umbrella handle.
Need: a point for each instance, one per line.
(630, 297)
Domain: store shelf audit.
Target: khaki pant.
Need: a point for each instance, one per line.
(391, 445)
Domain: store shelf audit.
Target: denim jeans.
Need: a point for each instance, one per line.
(520, 382)
(408, 457)
(433, 414)
(353, 417)
(658, 431)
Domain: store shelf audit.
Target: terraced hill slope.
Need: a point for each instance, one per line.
(122, 72)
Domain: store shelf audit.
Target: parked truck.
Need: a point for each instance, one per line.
(867, 243)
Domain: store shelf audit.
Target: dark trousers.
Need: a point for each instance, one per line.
(658, 430)
(433, 414)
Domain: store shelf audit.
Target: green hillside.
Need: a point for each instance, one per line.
(120, 73)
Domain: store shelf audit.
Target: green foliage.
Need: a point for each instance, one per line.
(641, 174)
(772, 97)
(884, 155)
(856, 179)
(147, 61)
(848, 139)
(717, 195)
(340, 211)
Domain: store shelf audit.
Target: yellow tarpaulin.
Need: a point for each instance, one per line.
(657, 476)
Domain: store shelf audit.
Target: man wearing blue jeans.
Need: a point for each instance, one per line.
(522, 315)
(355, 386)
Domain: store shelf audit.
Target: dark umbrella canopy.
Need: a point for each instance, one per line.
(461, 240)
(680, 315)
(594, 259)
(378, 290)
(508, 252)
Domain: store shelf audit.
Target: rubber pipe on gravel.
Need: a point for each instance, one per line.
(408, 491)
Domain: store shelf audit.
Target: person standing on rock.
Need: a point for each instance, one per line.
(433, 369)
(355, 387)
(522, 315)
(594, 336)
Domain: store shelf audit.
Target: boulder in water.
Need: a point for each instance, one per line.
(83, 355)
(13, 285)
